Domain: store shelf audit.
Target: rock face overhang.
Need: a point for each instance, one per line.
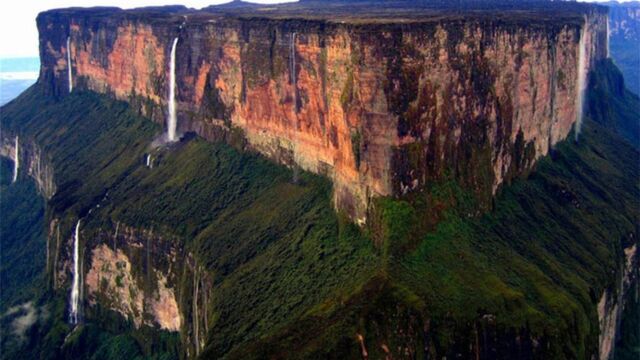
(381, 101)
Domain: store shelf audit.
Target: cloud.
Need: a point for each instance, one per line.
(19, 75)
(27, 315)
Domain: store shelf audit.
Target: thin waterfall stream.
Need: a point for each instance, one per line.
(75, 287)
(16, 161)
(172, 121)
(70, 75)
(582, 79)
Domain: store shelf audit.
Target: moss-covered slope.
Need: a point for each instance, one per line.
(431, 276)
(522, 281)
(274, 248)
(22, 238)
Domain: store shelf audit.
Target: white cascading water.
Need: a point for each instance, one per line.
(582, 79)
(16, 161)
(608, 38)
(69, 64)
(75, 287)
(292, 56)
(172, 121)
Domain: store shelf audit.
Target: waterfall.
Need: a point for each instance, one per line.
(292, 58)
(196, 334)
(608, 37)
(148, 160)
(56, 255)
(16, 161)
(172, 120)
(292, 70)
(582, 79)
(75, 288)
(69, 65)
(115, 238)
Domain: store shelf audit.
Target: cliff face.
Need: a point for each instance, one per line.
(612, 302)
(133, 272)
(246, 264)
(381, 106)
(32, 162)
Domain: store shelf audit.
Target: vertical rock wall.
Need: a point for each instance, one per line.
(33, 162)
(381, 108)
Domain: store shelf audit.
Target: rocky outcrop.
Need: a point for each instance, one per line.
(111, 276)
(199, 287)
(140, 274)
(134, 271)
(33, 162)
(612, 303)
(129, 271)
(380, 105)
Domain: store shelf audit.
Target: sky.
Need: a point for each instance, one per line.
(18, 20)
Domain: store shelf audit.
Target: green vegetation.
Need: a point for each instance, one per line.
(110, 339)
(356, 144)
(532, 268)
(22, 238)
(430, 274)
(274, 248)
(346, 96)
(78, 136)
(534, 261)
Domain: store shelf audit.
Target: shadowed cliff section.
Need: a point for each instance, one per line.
(612, 105)
(458, 285)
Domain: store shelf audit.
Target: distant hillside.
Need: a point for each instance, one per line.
(625, 40)
(16, 75)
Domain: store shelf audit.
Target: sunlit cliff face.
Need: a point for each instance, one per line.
(380, 109)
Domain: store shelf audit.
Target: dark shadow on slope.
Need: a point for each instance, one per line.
(611, 105)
